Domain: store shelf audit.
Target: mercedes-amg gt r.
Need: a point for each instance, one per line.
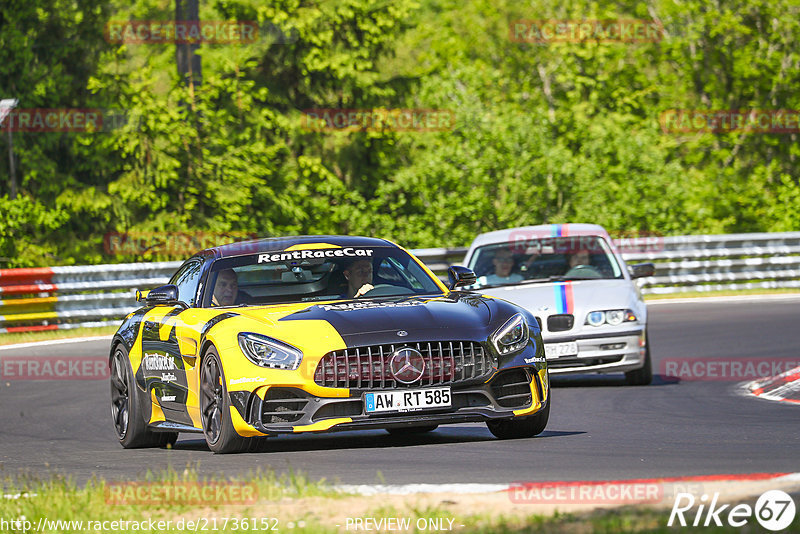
(318, 334)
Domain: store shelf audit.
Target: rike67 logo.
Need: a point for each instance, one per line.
(774, 510)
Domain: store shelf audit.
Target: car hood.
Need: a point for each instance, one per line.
(578, 297)
(374, 321)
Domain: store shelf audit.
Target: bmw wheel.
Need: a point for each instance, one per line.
(644, 375)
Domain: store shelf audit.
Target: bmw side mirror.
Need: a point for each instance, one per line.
(641, 270)
(164, 296)
(459, 276)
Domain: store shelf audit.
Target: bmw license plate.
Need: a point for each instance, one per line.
(406, 400)
(557, 350)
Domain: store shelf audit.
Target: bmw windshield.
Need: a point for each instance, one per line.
(544, 260)
(329, 273)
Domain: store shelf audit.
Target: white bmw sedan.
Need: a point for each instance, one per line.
(573, 279)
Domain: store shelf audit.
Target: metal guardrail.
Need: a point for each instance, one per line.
(53, 298)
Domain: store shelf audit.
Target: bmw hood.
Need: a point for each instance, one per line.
(577, 297)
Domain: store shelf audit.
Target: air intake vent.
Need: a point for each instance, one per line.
(511, 389)
(282, 405)
(560, 323)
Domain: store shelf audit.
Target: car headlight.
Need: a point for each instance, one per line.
(596, 318)
(611, 317)
(267, 352)
(512, 336)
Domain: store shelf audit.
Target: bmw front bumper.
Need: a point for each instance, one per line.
(601, 353)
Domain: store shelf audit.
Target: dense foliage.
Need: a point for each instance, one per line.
(543, 132)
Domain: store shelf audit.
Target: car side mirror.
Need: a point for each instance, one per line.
(164, 296)
(459, 276)
(641, 270)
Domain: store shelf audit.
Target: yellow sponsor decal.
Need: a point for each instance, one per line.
(312, 246)
(157, 414)
(322, 425)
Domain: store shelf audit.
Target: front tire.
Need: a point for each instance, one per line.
(129, 424)
(523, 427)
(215, 409)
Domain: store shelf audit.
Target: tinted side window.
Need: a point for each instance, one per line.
(187, 279)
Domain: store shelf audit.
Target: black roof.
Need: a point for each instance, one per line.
(270, 244)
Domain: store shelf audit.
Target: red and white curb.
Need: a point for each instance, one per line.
(784, 387)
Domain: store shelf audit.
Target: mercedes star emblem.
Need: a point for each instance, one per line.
(407, 365)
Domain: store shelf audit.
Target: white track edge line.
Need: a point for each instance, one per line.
(52, 342)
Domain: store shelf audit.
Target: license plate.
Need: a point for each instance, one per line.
(557, 350)
(406, 400)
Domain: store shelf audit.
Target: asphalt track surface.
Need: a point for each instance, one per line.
(599, 428)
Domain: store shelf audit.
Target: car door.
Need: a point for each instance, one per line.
(163, 364)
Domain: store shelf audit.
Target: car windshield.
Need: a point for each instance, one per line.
(544, 260)
(316, 274)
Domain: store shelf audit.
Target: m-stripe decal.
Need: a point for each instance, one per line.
(564, 298)
(559, 230)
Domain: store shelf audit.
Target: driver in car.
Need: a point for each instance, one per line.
(359, 278)
(580, 265)
(581, 257)
(226, 289)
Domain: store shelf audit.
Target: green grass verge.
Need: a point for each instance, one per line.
(288, 503)
(27, 337)
(155, 504)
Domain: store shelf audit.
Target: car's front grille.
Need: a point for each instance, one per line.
(512, 389)
(446, 362)
(559, 323)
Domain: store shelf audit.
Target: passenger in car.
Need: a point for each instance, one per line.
(503, 265)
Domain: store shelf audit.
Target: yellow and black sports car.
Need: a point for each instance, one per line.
(321, 333)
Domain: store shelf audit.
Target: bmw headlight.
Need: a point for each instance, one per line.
(267, 352)
(512, 336)
(610, 317)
